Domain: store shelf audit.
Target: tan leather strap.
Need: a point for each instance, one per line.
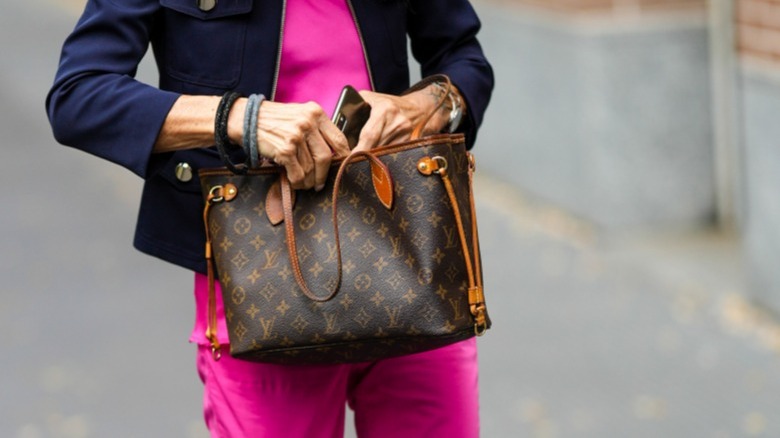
(477, 301)
(274, 210)
(383, 185)
(292, 248)
(217, 194)
(444, 81)
(438, 165)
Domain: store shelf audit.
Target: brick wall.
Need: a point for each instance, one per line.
(614, 6)
(758, 29)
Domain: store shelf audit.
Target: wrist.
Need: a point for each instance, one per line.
(235, 126)
(423, 105)
(452, 109)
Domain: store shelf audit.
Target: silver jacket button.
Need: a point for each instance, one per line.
(206, 5)
(183, 172)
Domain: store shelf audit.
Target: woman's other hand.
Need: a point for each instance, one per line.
(393, 118)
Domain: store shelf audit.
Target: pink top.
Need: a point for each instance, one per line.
(321, 52)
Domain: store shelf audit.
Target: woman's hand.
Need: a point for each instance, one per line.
(393, 118)
(301, 138)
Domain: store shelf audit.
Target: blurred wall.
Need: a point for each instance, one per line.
(619, 110)
(758, 30)
(612, 115)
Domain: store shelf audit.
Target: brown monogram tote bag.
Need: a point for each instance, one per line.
(382, 262)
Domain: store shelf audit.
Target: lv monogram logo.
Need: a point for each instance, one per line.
(332, 252)
(392, 315)
(460, 162)
(449, 231)
(272, 258)
(396, 242)
(330, 323)
(457, 309)
(268, 328)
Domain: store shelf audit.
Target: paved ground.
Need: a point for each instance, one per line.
(594, 336)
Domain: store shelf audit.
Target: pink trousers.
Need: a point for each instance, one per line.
(431, 394)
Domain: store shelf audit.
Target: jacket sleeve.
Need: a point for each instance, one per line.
(443, 38)
(96, 104)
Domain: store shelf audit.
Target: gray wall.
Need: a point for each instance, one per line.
(612, 120)
(761, 115)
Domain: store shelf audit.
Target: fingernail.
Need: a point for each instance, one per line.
(319, 187)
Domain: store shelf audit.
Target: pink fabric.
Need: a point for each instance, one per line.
(198, 335)
(321, 52)
(431, 394)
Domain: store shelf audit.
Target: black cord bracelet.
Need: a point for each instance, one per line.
(220, 131)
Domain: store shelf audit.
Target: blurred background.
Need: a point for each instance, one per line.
(628, 176)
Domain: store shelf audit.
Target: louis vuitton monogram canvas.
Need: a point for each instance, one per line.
(403, 287)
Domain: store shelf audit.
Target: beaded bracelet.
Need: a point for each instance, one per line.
(220, 131)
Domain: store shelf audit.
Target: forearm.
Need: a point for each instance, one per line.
(299, 137)
(190, 123)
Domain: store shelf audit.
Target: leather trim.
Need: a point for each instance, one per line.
(431, 140)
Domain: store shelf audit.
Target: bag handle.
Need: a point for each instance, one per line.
(383, 185)
(273, 202)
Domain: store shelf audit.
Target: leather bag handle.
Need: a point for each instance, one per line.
(383, 185)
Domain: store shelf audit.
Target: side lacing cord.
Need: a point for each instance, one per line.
(438, 165)
(217, 195)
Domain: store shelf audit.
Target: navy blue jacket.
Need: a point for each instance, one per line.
(97, 106)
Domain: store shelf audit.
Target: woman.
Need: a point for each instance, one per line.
(298, 54)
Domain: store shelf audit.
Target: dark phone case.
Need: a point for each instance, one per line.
(351, 114)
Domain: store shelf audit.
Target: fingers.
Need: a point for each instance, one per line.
(300, 137)
(371, 133)
(321, 155)
(392, 119)
(334, 138)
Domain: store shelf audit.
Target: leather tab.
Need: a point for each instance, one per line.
(476, 296)
(428, 166)
(230, 192)
(274, 208)
(383, 183)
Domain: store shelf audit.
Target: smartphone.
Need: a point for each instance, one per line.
(351, 114)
